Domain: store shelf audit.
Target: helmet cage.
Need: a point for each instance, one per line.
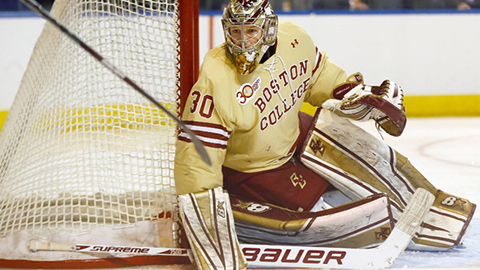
(242, 42)
(243, 54)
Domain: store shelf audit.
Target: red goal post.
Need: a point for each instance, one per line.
(189, 45)
(85, 159)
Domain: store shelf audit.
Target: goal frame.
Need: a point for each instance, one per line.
(189, 47)
(188, 59)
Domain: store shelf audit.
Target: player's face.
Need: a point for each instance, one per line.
(249, 34)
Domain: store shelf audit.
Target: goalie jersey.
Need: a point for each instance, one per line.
(250, 123)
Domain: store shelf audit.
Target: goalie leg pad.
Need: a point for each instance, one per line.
(363, 223)
(359, 165)
(446, 223)
(354, 161)
(208, 223)
(448, 219)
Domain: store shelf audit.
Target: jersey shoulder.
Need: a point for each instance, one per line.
(215, 67)
(216, 82)
(292, 36)
(288, 28)
(217, 57)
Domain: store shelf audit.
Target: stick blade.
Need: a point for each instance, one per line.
(405, 228)
(415, 212)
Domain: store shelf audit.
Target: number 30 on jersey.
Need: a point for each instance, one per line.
(203, 104)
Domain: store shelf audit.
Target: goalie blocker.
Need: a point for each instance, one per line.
(360, 165)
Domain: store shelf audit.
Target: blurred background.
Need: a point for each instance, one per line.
(429, 47)
(303, 5)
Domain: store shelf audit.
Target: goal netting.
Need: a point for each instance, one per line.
(83, 157)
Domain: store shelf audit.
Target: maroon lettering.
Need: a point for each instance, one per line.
(297, 258)
(300, 91)
(293, 72)
(283, 77)
(206, 109)
(294, 98)
(313, 256)
(279, 114)
(306, 83)
(270, 255)
(272, 117)
(196, 98)
(263, 123)
(266, 94)
(251, 254)
(277, 255)
(274, 85)
(286, 107)
(206, 106)
(261, 105)
(335, 255)
(303, 67)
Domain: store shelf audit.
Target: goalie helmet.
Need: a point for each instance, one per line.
(250, 28)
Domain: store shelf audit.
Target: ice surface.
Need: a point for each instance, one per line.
(467, 257)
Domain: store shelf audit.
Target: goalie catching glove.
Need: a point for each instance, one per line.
(357, 101)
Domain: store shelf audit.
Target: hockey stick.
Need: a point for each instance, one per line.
(36, 246)
(380, 257)
(37, 8)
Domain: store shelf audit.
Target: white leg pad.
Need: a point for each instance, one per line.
(359, 165)
(354, 161)
(208, 222)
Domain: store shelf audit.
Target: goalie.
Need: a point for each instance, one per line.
(245, 107)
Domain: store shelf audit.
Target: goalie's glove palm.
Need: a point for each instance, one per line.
(383, 103)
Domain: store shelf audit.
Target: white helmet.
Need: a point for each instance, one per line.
(250, 28)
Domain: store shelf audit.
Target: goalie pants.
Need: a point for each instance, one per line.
(292, 185)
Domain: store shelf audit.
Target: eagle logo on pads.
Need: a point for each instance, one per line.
(247, 3)
(383, 234)
(317, 146)
(221, 209)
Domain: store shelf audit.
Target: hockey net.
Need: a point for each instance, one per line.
(83, 157)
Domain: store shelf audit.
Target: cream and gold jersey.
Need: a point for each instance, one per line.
(250, 122)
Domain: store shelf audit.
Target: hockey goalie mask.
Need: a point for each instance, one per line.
(250, 28)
